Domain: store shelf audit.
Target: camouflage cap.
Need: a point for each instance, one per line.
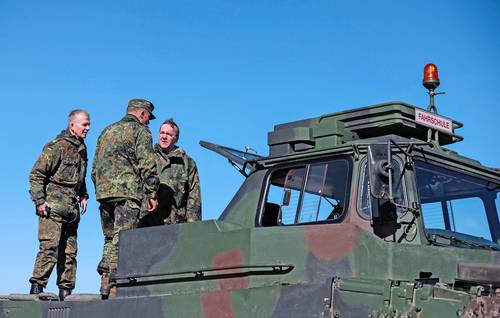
(142, 103)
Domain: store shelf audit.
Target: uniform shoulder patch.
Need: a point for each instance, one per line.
(53, 145)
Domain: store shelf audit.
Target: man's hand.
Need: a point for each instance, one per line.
(152, 205)
(83, 205)
(42, 210)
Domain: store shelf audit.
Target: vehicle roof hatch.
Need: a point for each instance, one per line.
(333, 130)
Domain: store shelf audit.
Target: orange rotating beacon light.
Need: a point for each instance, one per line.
(431, 82)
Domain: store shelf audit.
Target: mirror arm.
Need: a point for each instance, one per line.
(390, 170)
(409, 160)
(409, 149)
(414, 210)
(407, 152)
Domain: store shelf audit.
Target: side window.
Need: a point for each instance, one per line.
(284, 191)
(313, 202)
(364, 196)
(312, 193)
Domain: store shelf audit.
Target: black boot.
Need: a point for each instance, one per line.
(63, 293)
(105, 286)
(36, 289)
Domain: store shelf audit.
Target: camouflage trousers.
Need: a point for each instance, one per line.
(116, 216)
(57, 238)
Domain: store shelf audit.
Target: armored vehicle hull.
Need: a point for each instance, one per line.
(361, 213)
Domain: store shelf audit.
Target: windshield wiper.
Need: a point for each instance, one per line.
(456, 240)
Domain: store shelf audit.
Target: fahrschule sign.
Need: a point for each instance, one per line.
(433, 121)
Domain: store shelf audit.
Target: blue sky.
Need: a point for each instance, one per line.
(227, 71)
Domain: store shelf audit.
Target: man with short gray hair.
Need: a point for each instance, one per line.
(57, 187)
(124, 174)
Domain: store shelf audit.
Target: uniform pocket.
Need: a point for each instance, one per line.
(48, 229)
(68, 171)
(127, 214)
(68, 214)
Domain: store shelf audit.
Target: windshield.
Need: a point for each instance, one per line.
(458, 207)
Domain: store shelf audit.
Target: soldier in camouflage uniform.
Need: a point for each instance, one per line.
(57, 187)
(179, 197)
(124, 174)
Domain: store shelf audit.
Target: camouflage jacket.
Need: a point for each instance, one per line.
(179, 197)
(58, 176)
(124, 165)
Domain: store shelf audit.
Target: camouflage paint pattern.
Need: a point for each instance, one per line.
(179, 195)
(58, 178)
(235, 267)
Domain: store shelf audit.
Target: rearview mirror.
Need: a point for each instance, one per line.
(378, 171)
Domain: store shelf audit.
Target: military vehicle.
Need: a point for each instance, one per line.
(360, 213)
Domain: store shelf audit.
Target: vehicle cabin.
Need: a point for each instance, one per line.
(325, 170)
